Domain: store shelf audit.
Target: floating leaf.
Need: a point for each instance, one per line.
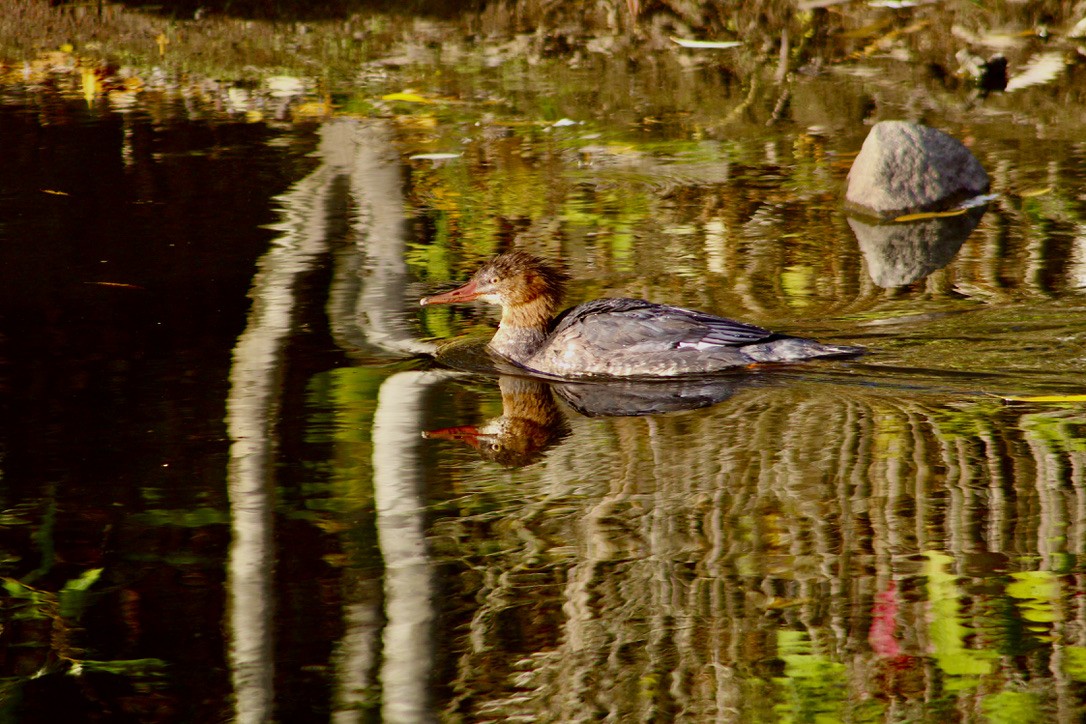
(18, 589)
(406, 97)
(86, 580)
(930, 215)
(1036, 192)
(705, 44)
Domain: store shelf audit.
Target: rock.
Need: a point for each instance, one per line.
(901, 253)
(906, 168)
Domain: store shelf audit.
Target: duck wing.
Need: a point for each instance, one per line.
(632, 324)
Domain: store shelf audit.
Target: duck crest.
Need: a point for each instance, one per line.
(536, 279)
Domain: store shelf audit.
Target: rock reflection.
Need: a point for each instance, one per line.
(899, 253)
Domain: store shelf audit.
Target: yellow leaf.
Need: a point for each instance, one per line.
(931, 215)
(313, 109)
(406, 97)
(92, 86)
(54, 193)
(1036, 192)
(1048, 398)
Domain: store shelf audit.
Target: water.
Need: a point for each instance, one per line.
(236, 484)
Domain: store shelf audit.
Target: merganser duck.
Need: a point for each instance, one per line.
(615, 337)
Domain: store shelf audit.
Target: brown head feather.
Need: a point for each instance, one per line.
(523, 278)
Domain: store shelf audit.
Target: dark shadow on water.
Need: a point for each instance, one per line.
(128, 246)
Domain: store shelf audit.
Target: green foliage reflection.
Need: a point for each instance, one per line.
(948, 634)
(814, 686)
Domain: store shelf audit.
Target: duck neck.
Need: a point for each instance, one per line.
(528, 400)
(523, 329)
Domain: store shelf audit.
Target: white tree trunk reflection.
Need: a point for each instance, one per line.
(368, 312)
(398, 484)
(251, 417)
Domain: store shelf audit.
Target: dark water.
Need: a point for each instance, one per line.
(218, 501)
(128, 245)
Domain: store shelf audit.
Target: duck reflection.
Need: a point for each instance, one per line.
(529, 424)
(899, 253)
(628, 399)
(532, 421)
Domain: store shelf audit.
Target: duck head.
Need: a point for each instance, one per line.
(513, 279)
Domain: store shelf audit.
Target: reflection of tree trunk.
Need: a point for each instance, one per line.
(398, 479)
(250, 417)
(368, 303)
(367, 311)
(357, 653)
(407, 657)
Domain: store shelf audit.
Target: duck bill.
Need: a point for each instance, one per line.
(467, 434)
(467, 293)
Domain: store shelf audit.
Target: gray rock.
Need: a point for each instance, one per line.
(906, 168)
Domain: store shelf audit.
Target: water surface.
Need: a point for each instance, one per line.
(219, 502)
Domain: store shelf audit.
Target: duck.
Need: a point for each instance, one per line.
(615, 337)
